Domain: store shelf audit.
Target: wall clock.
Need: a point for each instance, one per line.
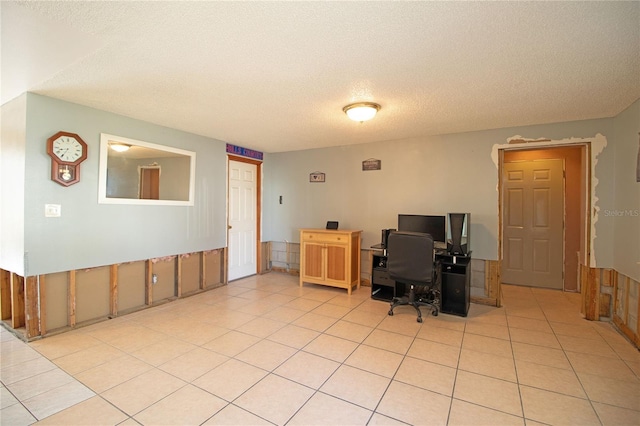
(67, 151)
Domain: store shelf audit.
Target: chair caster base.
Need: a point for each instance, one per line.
(390, 313)
(419, 319)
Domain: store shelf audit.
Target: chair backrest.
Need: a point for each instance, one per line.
(410, 257)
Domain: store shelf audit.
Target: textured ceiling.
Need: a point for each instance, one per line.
(274, 76)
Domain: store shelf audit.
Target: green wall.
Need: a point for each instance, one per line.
(89, 234)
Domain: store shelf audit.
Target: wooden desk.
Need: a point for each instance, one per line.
(330, 257)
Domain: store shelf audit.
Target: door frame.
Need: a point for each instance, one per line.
(585, 174)
(258, 216)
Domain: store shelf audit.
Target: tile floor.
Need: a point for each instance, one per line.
(262, 350)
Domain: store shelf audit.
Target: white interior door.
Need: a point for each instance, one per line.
(533, 218)
(242, 219)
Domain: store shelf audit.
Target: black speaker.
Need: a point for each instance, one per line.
(385, 237)
(458, 233)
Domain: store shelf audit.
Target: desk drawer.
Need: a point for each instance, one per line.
(321, 237)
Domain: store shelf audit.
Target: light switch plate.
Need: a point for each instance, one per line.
(52, 210)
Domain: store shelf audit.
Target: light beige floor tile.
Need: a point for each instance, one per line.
(585, 330)
(63, 344)
(306, 305)
(348, 301)
(193, 364)
(549, 378)
(526, 312)
(349, 330)
(533, 337)
(132, 337)
(17, 415)
(616, 416)
(140, 392)
(232, 343)
(199, 333)
(529, 324)
(85, 359)
(163, 351)
(489, 345)
(294, 336)
(488, 392)
(369, 319)
(40, 383)
(275, 399)
(52, 401)
(331, 347)
(112, 373)
(379, 420)
(441, 335)
(426, 375)
(16, 352)
(620, 393)
(465, 414)
(540, 355)
(612, 368)
(261, 327)
(297, 368)
(586, 346)
(389, 341)
(356, 386)
(16, 372)
(6, 397)
(434, 352)
(407, 403)
(230, 380)
(324, 409)
(232, 415)
(451, 322)
(487, 364)
(284, 314)
(401, 323)
(372, 306)
(333, 311)
(232, 319)
(489, 316)
(315, 322)
(266, 354)
(93, 411)
(321, 293)
(186, 406)
(553, 408)
(374, 360)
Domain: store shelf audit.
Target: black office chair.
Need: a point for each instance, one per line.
(410, 260)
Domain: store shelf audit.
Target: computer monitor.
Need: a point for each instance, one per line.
(434, 225)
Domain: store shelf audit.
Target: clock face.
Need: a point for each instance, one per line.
(67, 148)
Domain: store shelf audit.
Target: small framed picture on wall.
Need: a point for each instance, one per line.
(317, 177)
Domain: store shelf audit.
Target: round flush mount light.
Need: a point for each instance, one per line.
(119, 147)
(361, 111)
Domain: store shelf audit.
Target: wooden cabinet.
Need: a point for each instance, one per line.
(330, 257)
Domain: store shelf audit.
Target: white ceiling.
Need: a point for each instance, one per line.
(274, 76)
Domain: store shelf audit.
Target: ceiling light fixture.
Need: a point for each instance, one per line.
(119, 147)
(361, 111)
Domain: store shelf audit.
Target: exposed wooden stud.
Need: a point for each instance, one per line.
(42, 293)
(32, 317)
(203, 270)
(607, 278)
(224, 266)
(72, 298)
(148, 283)
(627, 288)
(592, 299)
(178, 277)
(113, 290)
(5, 294)
(17, 301)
